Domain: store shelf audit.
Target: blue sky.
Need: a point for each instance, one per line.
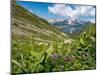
(41, 9)
(52, 10)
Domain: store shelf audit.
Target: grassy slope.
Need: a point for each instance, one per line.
(28, 32)
(26, 23)
(28, 57)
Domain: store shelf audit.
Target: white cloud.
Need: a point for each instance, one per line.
(67, 11)
(61, 9)
(85, 11)
(93, 12)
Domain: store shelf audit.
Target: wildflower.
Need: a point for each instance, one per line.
(54, 57)
(40, 43)
(67, 41)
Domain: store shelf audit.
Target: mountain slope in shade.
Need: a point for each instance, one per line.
(25, 24)
(71, 27)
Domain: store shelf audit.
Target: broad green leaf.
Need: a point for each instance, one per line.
(49, 51)
(37, 55)
(19, 65)
(35, 66)
(81, 41)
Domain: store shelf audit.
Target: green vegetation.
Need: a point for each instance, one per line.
(24, 23)
(29, 57)
(58, 53)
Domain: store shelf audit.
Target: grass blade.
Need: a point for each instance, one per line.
(19, 65)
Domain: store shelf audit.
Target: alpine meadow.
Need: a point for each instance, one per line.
(52, 37)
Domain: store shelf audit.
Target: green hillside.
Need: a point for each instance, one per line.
(38, 47)
(31, 37)
(25, 24)
(84, 49)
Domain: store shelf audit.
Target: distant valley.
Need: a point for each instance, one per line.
(69, 26)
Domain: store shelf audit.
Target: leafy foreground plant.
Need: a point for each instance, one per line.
(55, 56)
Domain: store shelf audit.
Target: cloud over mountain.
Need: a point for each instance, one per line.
(73, 11)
